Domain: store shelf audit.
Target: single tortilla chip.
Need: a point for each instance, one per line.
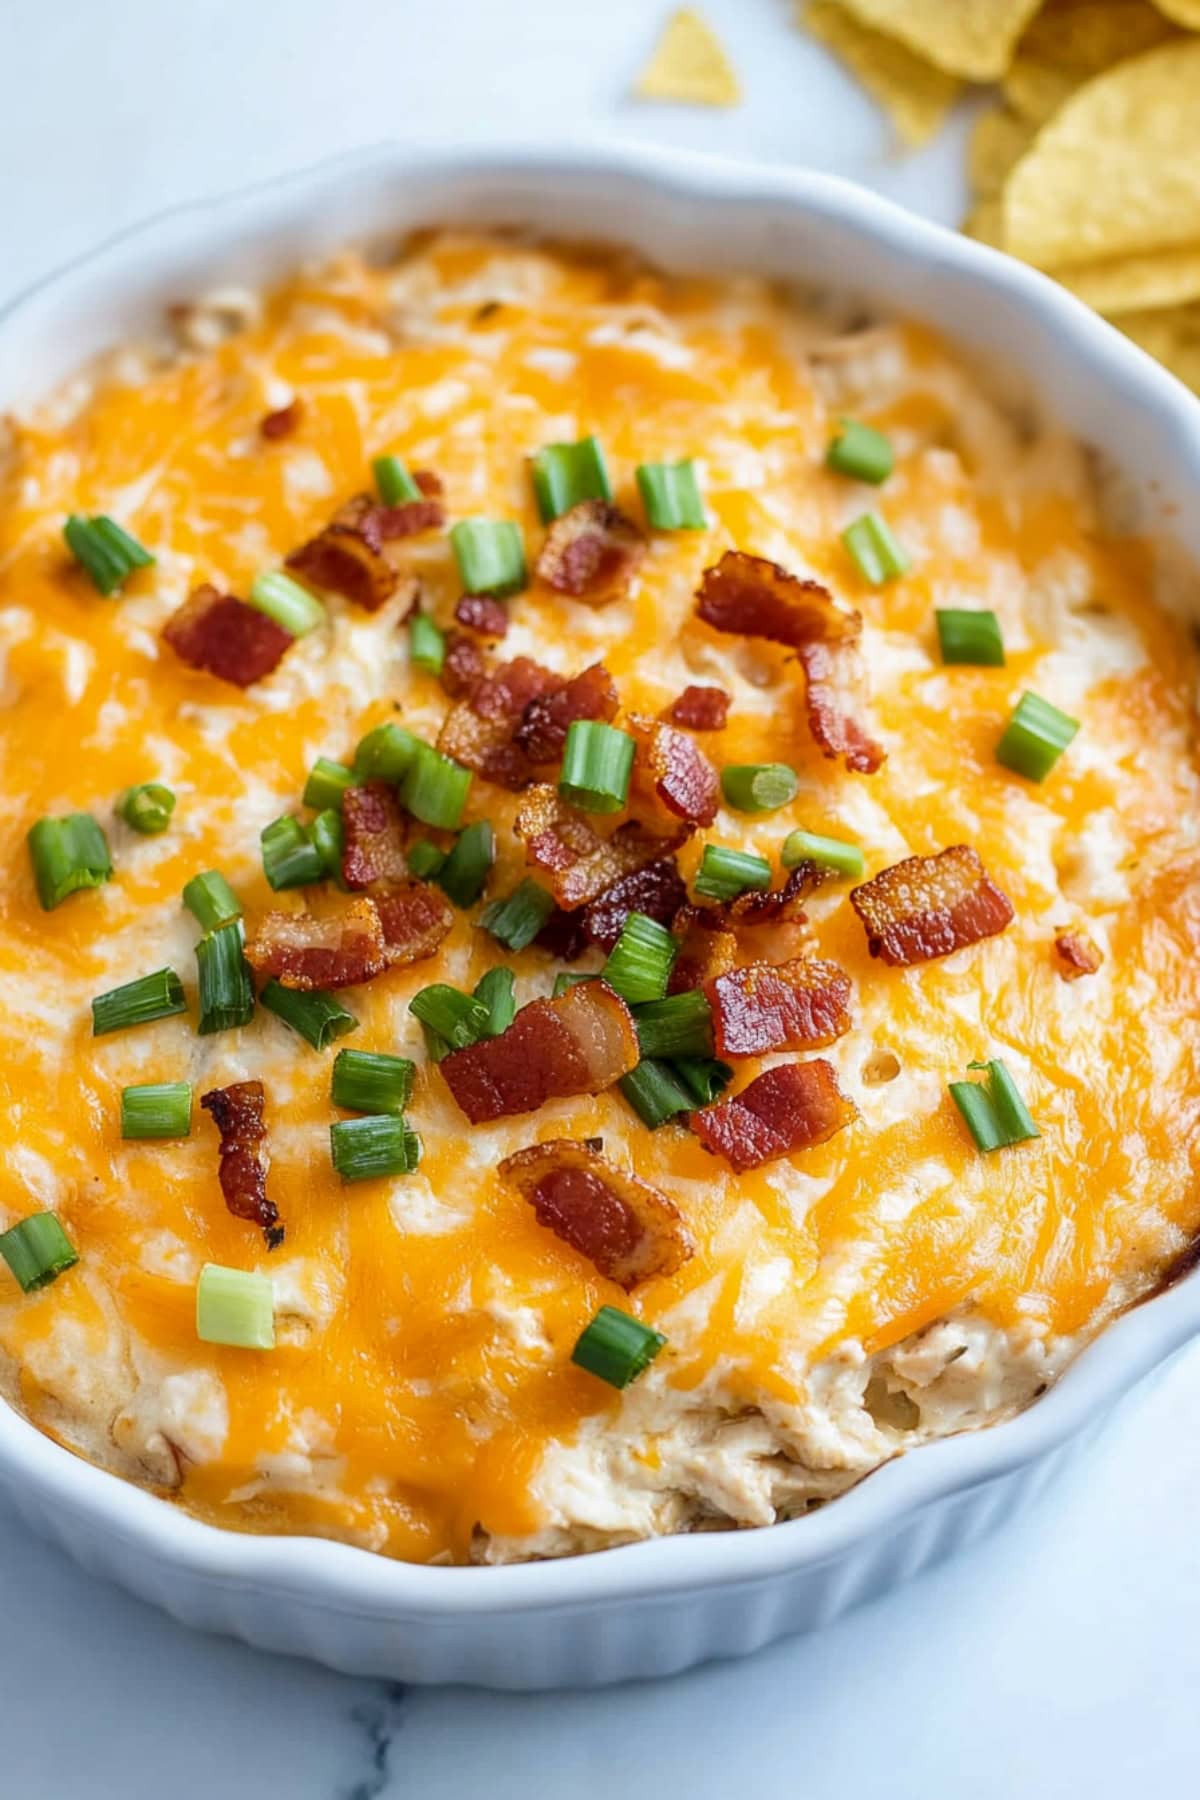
(915, 95)
(689, 65)
(1069, 42)
(974, 38)
(985, 223)
(1117, 170)
(1128, 284)
(999, 139)
(1184, 12)
(1172, 337)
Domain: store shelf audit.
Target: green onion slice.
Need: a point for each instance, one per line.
(758, 787)
(426, 644)
(374, 1145)
(703, 1078)
(596, 766)
(326, 836)
(640, 962)
(458, 1019)
(826, 852)
(370, 1081)
(424, 859)
(565, 474)
(212, 900)
(290, 858)
(970, 637)
(724, 874)
(490, 556)
(147, 807)
(226, 987)
(616, 1347)
(235, 1306)
(285, 601)
(1035, 737)
(463, 874)
(327, 783)
(516, 920)
(105, 550)
(654, 1093)
(160, 1109)
(993, 1110)
(679, 1025)
(495, 991)
(67, 855)
(316, 1016)
(435, 789)
(393, 483)
(671, 496)
(385, 754)
(874, 550)
(37, 1250)
(157, 996)
(861, 452)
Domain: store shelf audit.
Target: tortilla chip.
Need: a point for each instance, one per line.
(915, 95)
(689, 65)
(974, 38)
(1070, 41)
(985, 223)
(1117, 171)
(1127, 284)
(998, 141)
(1184, 12)
(1172, 337)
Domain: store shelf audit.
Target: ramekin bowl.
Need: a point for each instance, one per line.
(658, 1607)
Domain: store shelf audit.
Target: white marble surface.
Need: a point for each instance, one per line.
(1059, 1659)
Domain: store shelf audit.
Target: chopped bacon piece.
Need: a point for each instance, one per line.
(592, 694)
(625, 1227)
(415, 917)
(578, 1044)
(797, 1005)
(699, 709)
(223, 635)
(479, 731)
(707, 947)
(656, 890)
(775, 906)
(789, 1108)
(303, 951)
(282, 422)
(238, 1115)
(751, 597)
(1077, 955)
(482, 614)
(465, 665)
(927, 906)
(592, 553)
(580, 863)
(380, 524)
(372, 835)
(672, 770)
(563, 935)
(344, 560)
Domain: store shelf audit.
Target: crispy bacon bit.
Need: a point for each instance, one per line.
(342, 560)
(699, 709)
(592, 553)
(282, 422)
(776, 906)
(303, 951)
(479, 731)
(482, 614)
(465, 665)
(223, 635)
(656, 890)
(415, 917)
(1077, 955)
(798, 1005)
(380, 524)
(563, 935)
(592, 694)
(707, 947)
(238, 1115)
(928, 906)
(580, 863)
(672, 771)
(578, 1044)
(625, 1227)
(751, 597)
(372, 835)
(789, 1108)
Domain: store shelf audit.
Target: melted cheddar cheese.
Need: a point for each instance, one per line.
(884, 1287)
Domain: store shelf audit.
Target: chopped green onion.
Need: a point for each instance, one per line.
(516, 921)
(616, 1347)
(724, 874)
(327, 783)
(758, 787)
(424, 859)
(393, 483)
(37, 1250)
(596, 766)
(654, 1093)
(147, 808)
(1035, 737)
(826, 852)
(465, 870)
(860, 452)
(680, 1025)
(290, 858)
(565, 474)
(458, 1019)
(285, 601)
(495, 991)
(318, 1017)
(435, 789)
(212, 900)
(107, 552)
(640, 962)
(376, 1144)
(993, 1110)
(326, 835)
(226, 989)
(385, 754)
(435, 1047)
(874, 550)
(160, 1109)
(970, 637)
(703, 1078)
(490, 556)
(235, 1306)
(157, 996)
(565, 980)
(671, 496)
(369, 1081)
(67, 855)
(426, 644)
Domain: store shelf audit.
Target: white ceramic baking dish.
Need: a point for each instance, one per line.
(657, 1607)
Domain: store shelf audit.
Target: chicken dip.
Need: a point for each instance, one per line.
(599, 907)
